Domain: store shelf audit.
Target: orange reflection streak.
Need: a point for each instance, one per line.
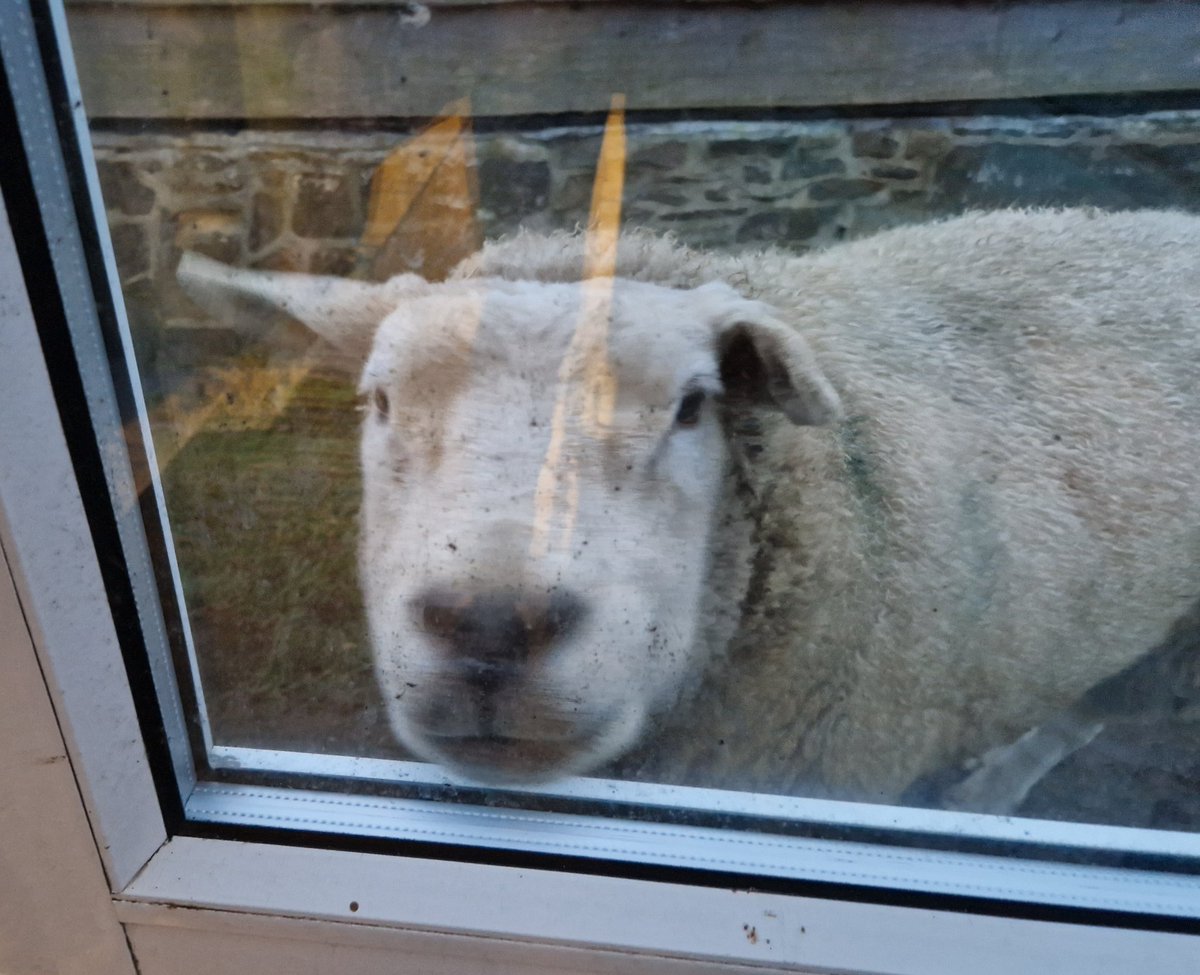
(399, 180)
(421, 213)
(587, 386)
(422, 194)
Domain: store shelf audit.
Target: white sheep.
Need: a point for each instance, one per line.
(817, 525)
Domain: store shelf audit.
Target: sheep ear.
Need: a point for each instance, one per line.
(764, 360)
(344, 313)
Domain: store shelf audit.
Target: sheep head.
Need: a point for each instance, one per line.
(541, 466)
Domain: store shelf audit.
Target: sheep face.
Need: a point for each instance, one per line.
(541, 466)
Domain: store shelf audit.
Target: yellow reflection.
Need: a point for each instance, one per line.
(587, 386)
(420, 216)
(421, 210)
(400, 178)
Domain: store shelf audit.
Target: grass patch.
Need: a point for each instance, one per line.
(265, 524)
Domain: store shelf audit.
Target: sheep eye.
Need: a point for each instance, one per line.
(688, 414)
(379, 399)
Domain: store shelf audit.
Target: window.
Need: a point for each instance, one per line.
(512, 471)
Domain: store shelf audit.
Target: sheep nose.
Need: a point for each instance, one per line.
(499, 629)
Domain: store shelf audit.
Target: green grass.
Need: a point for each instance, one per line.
(265, 524)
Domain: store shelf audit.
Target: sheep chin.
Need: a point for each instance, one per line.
(508, 762)
(500, 761)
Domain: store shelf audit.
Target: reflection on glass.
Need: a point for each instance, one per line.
(737, 456)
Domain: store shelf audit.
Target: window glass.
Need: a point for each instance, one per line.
(780, 399)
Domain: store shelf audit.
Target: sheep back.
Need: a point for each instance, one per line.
(1007, 514)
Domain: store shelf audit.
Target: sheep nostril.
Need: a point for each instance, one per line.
(442, 613)
(499, 626)
(549, 619)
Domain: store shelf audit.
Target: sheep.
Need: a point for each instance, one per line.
(817, 525)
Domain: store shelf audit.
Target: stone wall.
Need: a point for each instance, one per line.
(299, 200)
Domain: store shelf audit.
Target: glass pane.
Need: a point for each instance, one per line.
(791, 400)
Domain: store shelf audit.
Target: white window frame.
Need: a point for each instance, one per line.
(195, 902)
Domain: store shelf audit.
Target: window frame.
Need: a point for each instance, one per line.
(260, 894)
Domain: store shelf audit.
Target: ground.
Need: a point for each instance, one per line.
(264, 525)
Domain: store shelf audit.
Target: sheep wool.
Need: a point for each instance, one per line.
(1007, 512)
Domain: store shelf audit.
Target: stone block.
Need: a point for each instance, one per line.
(664, 155)
(268, 218)
(132, 250)
(873, 145)
(806, 166)
(201, 178)
(902, 207)
(773, 147)
(576, 150)
(122, 189)
(1008, 129)
(430, 245)
(509, 189)
(283, 259)
(270, 207)
(513, 148)
(686, 216)
(639, 216)
(785, 227)
(327, 206)
(894, 172)
(665, 196)
(843, 189)
(811, 142)
(214, 233)
(926, 144)
(340, 262)
(756, 175)
(575, 193)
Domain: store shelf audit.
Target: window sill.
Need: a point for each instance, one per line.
(486, 915)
